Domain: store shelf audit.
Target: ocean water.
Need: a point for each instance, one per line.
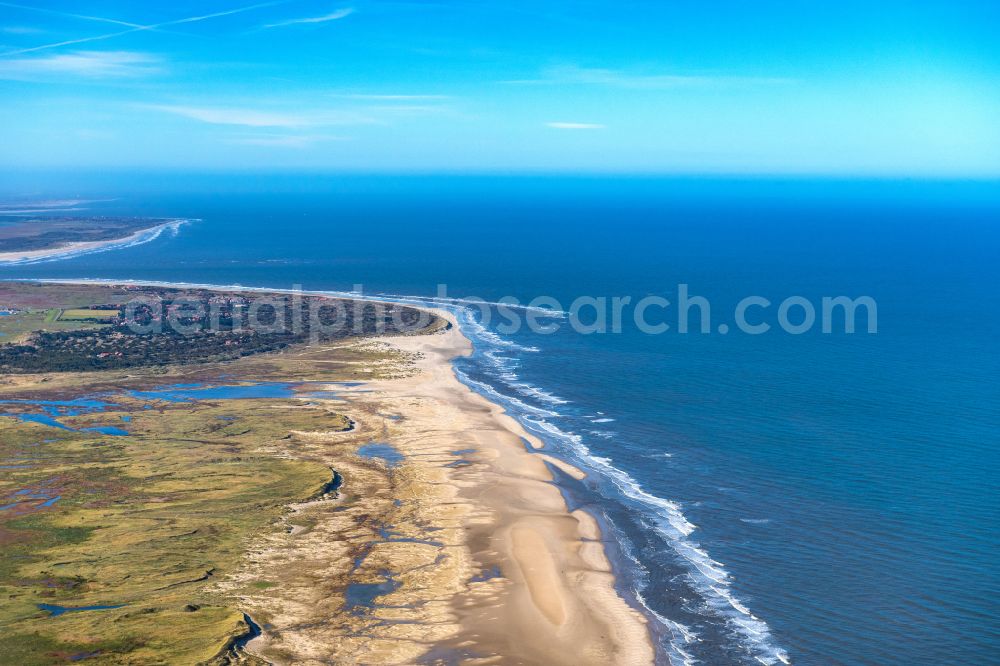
(813, 498)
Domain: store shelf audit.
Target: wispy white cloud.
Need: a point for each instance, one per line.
(89, 64)
(332, 16)
(574, 126)
(409, 109)
(296, 141)
(393, 98)
(68, 42)
(574, 75)
(256, 117)
(133, 27)
(20, 30)
(228, 12)
(231, 116)
(83, 17)
(88, 134)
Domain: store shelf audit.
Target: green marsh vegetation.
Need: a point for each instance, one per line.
(146, 525)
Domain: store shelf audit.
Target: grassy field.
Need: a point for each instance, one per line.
(62, 296)
(77, 314)
(46, 306)
(14, 328)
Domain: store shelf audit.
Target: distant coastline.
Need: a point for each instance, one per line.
(69, 249)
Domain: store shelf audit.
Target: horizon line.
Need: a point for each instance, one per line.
(500, 170)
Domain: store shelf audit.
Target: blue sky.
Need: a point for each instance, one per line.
(845, 88)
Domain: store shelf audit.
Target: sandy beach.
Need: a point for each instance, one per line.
(83, 247)
(478, 558)
(560, 605)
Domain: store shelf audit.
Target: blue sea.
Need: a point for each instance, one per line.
(815, 498)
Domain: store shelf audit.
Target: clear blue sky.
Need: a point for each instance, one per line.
(797, 87)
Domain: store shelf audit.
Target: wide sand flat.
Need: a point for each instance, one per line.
(555, 602)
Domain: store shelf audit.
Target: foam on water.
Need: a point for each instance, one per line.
(505, 370)
(491, 392)
(479, 331)
(538, 394)
(468, 303)
(708, 576)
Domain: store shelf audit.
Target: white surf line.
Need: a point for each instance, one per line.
(470, 302)
(715, 581)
